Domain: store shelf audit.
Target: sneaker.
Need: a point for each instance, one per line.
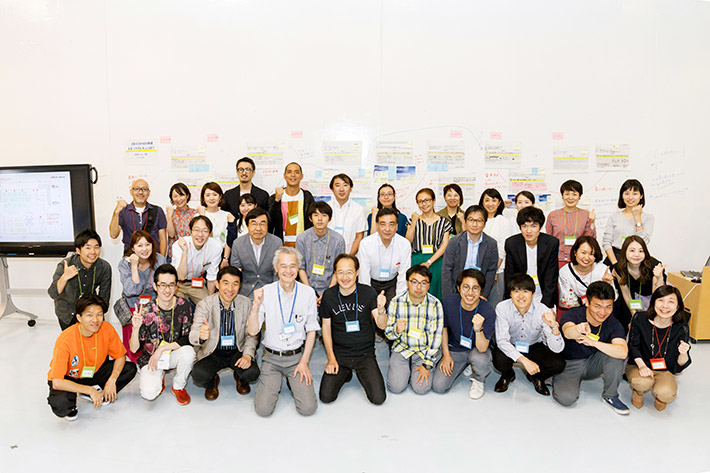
(73, 414)
(616, 404)
(476, 391)
(183, 398)
(468, 372)
(88, 398)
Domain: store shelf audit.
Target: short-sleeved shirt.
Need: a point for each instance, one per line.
(160, 325)
(130, 220)
(69, 358)
(339, 308)
(348, 220)
(322, 252)
(609, 330)
(457, 318)
(203, 261)
(278, 304)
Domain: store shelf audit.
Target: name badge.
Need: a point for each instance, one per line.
(163, 342)
(570, 240)
(384, 273)
(427, 249)
(340, 230)
(584, 299)
(353, 326)
(535, 279)
(658, 363)
(636, 304)
(522, 347)
(197, 282)
(414, 333)
(288, 329)
(293, 219)
(88, 371)
(318, 269)
(593, 336)
(227, 340)
(164, 361)
(143, 300)
(466, 342)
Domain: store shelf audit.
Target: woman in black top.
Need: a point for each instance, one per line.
(658, 348)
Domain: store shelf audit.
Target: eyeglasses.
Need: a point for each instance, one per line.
(204, 231)
(245, 170)
(416, 283)
(162, 286)
(388, 194)
(424, 201)
(140, 189)
(346, 273)
(474, 289)
(257, 224)
(475, 220)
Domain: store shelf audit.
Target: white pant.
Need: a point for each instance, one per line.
(151, 381)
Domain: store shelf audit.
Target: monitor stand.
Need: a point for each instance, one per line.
(8, 307)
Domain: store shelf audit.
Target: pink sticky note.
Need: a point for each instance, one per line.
(212, 138)
(456, 134)
(297, 134)
(496, 135)
(165, 140)
(558, 135)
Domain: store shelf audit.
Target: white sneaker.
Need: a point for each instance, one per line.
(476, 391)
(467, 371)
(73, 414)
(88, 398)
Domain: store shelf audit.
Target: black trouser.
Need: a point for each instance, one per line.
(204, 371)
(622, 313)
(62, 402)
(368, 373)
(550, 363)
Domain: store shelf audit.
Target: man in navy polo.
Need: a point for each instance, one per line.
(139, 215)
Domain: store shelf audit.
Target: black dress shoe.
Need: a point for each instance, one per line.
(503, 382)
(540, 386)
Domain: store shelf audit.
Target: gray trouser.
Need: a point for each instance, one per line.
(401, 372)
(273, 369)
(566, 384)
(480, 365)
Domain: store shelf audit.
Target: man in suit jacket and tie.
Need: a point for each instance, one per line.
(535, 254)
(254, 253)
(470, 249)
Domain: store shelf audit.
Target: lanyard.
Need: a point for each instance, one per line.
(147, 282)
(599, 332)
(290, 317)
(461, 318)
(172, 320)
(356, 305)
(660, 342)
(226, 327)
(81, 342)
(325, 255)
(189, 259)
(93, 283)
(576, 221)
(145, 222)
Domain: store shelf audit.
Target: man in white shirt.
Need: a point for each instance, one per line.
(349, 218)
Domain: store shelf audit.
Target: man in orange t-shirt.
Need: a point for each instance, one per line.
(80, 363)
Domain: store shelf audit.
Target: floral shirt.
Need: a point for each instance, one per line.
(181, 223)
(170, 325)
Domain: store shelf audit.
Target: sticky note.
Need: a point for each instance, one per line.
(496, 135)
(456, 134)
(558, 135)
(165, 140)
(392, 172)
(199, 168)
(212, 138)
(297, 134)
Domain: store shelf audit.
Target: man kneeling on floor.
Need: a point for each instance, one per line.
(80, 363)
(219, 331)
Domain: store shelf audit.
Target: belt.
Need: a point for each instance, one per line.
(284, 353)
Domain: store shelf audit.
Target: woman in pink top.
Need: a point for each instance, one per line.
(570, 222)
(178, 216)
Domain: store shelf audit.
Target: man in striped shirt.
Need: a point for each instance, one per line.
(415, 322)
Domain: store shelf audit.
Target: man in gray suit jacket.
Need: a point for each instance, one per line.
(484, 252)
(253, 254)
(219, 332)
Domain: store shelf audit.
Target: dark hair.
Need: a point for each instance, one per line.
(426, 190)
(165, 269)
(249, 200)
(646, 266)
(420, 270)
(456, 188)
(394, 202)
(255, 213)
(246, 159)
(181, 189)
(470, 273)
(385, 212)
(530, 214)
(294, 162)
(528, 194)
(663, 291)
(343, 177)
(493, 194)
(521, 282)
(634, 185)
(601, 290)
(213, 186)
(83, 237)
(571, 185)
(592, 242)
(135, 238)
(231, 270)
(197, 218)
(322, 207)
(348, 256)
(476, 208)
(87, 300)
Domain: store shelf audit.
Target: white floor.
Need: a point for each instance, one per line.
(515, 431)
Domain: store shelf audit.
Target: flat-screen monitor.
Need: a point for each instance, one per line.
(42, 208)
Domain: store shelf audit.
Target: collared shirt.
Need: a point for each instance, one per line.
(472, 253)
(512, 326)
(257, 249)
(321, 252)
(206, 259)
(396, 258)
(351, 218)
(226, 325)
(172, 325)
(131, 220)
(305, 315)
(531, 255)
(426, 318)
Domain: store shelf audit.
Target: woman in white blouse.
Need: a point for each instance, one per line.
(584, 268)
(497, 227)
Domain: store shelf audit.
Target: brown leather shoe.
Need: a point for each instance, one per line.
(213, 393)
(242, 388)
(660, 405)
(636, 399)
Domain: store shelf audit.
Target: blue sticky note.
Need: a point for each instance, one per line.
(319, 174)
(199, 168)
(361, 172)
(534, 170)
(392, 173)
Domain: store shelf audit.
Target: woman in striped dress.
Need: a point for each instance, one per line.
(429, 235)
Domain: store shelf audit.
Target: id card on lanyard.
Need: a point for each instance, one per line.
(350, 325)
(88, 371)
(287, 328)
(195, 281)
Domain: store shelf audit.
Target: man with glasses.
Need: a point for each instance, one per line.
(415, 322)
(245, 174)
(471, 249)
(139, 215)
(196, 258)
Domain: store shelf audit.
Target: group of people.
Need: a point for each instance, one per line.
(454, 291)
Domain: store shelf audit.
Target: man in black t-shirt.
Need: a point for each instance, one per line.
(595, 346)
(350, 312)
